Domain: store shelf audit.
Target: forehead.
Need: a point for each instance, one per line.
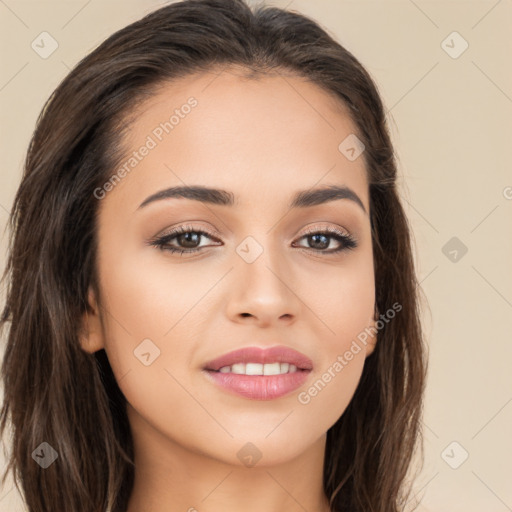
(251, 135)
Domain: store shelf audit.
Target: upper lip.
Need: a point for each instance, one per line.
(280, 354)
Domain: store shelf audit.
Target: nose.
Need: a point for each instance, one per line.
(263, 292)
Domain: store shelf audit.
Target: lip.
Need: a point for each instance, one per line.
(260, 387)
(279, 354)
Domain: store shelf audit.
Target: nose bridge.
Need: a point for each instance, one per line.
(261, 258)
(263, 275)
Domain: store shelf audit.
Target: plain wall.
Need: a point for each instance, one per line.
(451, 124)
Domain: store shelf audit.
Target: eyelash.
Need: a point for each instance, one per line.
(162, 243)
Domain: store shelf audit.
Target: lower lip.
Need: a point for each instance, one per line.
(259, 387)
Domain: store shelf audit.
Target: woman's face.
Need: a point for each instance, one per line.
(260, 277)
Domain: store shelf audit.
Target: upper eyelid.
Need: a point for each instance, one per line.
(187, 229)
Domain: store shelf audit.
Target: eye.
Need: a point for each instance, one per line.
(186, 236)
(320, 240)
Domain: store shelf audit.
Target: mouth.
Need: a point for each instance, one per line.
(275, 368)
(257, 361)
(260, 374)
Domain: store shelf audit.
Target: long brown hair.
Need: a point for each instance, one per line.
(57, 393)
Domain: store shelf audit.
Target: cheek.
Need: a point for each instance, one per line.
(329, 393)
(139, 307)
(344, 300)
(151, 301)
(345, 304)
(150, 343)
(342, 354)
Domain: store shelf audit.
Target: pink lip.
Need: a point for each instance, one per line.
(279, 354)
(260, 387)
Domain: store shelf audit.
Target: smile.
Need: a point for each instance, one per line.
(259, 373)
(259, 369)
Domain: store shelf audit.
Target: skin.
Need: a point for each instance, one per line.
(263, 140)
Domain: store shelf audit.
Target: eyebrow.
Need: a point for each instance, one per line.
(302, 199)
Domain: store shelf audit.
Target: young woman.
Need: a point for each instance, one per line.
(211, 299)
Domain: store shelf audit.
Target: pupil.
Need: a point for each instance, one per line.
(316, 241)
(186, 237)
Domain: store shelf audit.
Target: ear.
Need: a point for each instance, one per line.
(371, 341)
(91, 333)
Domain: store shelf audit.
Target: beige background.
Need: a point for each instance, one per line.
(451, 123)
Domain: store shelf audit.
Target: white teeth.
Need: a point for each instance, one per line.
(238, 368)
(254, 369)
(271, 369)
(259, 369)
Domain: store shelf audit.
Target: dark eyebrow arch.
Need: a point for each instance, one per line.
(302, 199)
